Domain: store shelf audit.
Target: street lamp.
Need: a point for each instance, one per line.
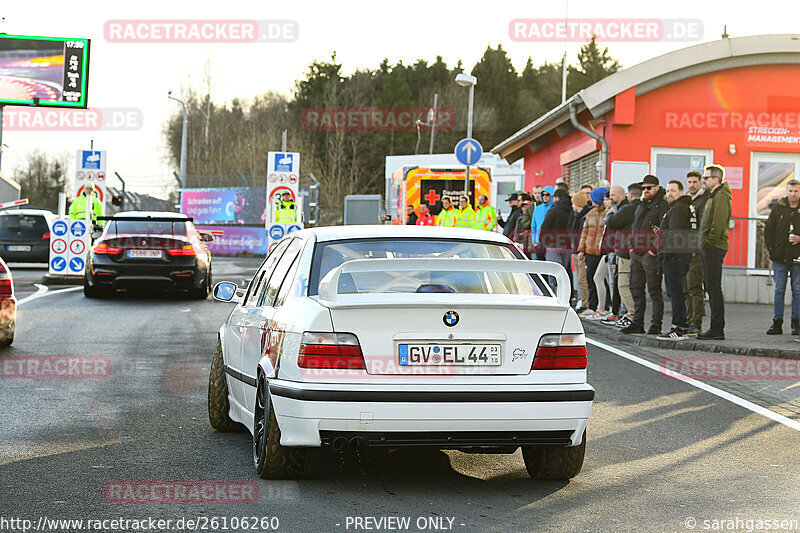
(183, 139)
(465, 80)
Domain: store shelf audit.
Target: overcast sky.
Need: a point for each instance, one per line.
(362, 33)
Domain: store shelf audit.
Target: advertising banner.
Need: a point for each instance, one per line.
(237, 240)
(237, 205)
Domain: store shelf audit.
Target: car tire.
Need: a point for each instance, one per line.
(272, 460)
(553, 462)
(92, 292)
(218, 405)
(203, 292)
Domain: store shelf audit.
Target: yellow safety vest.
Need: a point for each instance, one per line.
(446, 218)
(285, 213)
(465, 217)
(77, 209)
(486, 218)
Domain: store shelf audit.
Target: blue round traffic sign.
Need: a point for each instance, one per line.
(60, 228)
(293, 227)
(276, 232)
(76, 264)
(78, 228)
(468, 151)
(58, 264)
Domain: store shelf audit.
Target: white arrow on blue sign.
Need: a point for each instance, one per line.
(58, 264)
(60, 228)
(468, 151)
(76, 264)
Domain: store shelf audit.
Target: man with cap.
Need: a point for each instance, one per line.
(537, 217)
(646, 268)
(510, 226)
(590, 247)
(77, 209)
(285, 210)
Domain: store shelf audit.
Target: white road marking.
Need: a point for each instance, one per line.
(763, 411)
(43, 290)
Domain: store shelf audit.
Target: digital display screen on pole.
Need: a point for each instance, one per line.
(44, 71)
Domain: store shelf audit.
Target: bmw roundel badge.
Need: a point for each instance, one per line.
(450, 319)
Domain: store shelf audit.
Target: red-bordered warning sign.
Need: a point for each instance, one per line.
(77, 247)
(59, 246)
(80, 175)
(273, 178)
(292, 178)
(101, 176)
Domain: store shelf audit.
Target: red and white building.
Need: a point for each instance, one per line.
(734, 102)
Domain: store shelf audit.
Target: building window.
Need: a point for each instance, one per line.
(673, 163)
(581, 172)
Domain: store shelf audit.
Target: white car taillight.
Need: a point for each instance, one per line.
(330, 350)
(560, 351)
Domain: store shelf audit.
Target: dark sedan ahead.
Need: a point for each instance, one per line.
(25, 235)
(149, 250)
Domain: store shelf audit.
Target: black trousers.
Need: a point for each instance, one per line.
(675, 270)
(712, 279)
(592, 262)
(646, 271)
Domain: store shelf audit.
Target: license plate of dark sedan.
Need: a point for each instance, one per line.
(18, 248)
(433, 354)
(149, 254)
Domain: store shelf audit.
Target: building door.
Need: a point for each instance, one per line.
(769, 173)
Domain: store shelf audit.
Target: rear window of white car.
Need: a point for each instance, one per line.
(329, 255)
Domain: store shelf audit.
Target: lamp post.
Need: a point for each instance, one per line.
(183, 139)
(465, 80)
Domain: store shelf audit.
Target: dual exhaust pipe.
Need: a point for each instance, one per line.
(341, 444)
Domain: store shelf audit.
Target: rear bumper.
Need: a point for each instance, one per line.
(458, 416)
(165, 277)
(39, 252)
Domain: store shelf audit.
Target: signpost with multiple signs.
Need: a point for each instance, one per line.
(283, 176)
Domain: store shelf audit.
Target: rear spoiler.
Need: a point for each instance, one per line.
(329, 286)
(148, 219)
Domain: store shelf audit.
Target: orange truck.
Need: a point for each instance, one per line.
(412, 185)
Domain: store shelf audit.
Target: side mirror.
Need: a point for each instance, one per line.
(97, 234)
(206, 237)
(226, 291)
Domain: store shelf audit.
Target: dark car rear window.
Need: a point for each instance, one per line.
(155, 227)
(23, 222)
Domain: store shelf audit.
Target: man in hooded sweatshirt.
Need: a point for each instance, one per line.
(537, 219)
(713, 243)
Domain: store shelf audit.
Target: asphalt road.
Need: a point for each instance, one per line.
(660, 454)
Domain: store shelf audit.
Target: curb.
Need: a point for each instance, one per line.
(55, 280)
(613, 334)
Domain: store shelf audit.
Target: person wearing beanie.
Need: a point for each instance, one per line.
(646, 267)
(580, 206)
(590, 247)
(537, 218)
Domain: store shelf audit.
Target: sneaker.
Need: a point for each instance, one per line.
(674, 334)
(692, 332)
(610, 321)
(633, 328)
(711, 336)
(654, 330)
(624, 322)
(599, 315)
(586, 313)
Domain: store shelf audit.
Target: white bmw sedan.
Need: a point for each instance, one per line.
(395, 336)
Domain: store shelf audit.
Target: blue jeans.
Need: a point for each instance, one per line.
(782, 272)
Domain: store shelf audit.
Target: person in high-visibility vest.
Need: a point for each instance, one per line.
(285, 211)
(485, 216)
(465, 218)
(447, 216)
(77, 209)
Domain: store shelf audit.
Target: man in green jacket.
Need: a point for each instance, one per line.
(77, 209)
(713, 243)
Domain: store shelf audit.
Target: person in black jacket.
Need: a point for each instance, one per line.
(782, 237)
(412, 216)
(679, 231)
(554, 235)
(693, 284)
(645, 265)
(618, 225)
(510, 226)
(581, 205)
